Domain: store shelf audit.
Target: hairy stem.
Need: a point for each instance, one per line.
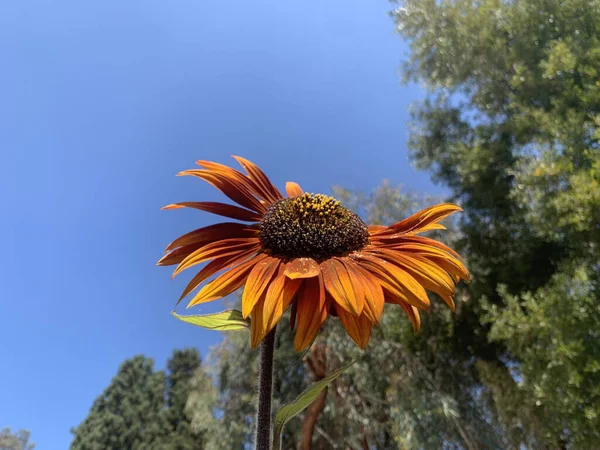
(265, 387)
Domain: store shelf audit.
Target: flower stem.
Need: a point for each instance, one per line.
(265, 385)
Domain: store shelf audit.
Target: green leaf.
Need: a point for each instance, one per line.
(229, 320)
(290, 410)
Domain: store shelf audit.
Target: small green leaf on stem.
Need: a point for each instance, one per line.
(290, 410)
(228, 320)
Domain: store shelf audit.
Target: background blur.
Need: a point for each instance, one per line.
(104, 102)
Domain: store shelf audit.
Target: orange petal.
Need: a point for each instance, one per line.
(216, 266)
(374, 299)
(401, 239)
(256, 330)
(428, 274)
(396, 279)
(302, 268)
(425, 217)
(293, 189)
(231, 173)
(413, 315)
(233, 188)
(216, 232)
(443, 259)
(339, 285)
(258, 281)
(358, 328)
(280, 294)
(311, 312)
(218, 249)
(222, 209)
(178, 255)
(267, 189)
(227, 282)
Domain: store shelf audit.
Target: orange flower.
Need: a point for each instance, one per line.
(309, 252)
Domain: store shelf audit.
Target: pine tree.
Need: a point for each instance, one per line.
(143, 409)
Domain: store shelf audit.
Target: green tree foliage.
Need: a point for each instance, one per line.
(511, 125)
(15, 441)
(142, 408)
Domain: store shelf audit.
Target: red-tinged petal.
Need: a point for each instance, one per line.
(338, 284)
(280, 294)
(302, 268)
(215, 250)
(268, 190)
(311, 312)
(236, 191)
(216, 232)
(234, 174)
(358, 328)
(178, 255)
(216, 266)
(395, 278)
(222, 209)
(227, 282)
(258, 281)
(425, 217)
(293, 189)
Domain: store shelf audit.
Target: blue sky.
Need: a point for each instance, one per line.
(102, 103)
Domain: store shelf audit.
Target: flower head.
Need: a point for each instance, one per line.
(309, 252)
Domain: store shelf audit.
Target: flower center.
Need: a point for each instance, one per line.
(311, 225)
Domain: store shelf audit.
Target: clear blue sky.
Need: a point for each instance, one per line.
(101, 104)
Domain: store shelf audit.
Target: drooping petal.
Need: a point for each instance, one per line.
(374, 299)
(443, 258)
(358, 328)
(216, 266)
(257, 332)
(227, 282)
(279, 295)
(239, 193)
(293, 189)
(218, 249)
(393, 278)
(302, 268)
(413, 315)
(267, 189)
(212, 233)
(338, 284)
(428, 274)
(258, 281)
(311, 312)
(222, 209)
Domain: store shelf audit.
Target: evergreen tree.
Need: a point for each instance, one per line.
(143, 409)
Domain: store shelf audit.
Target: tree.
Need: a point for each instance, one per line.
(143, 409)
(511, 126)
(15, 441)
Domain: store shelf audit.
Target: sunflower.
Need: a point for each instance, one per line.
(308, 252)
